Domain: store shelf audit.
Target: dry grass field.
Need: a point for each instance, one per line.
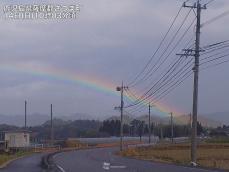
(209, 155)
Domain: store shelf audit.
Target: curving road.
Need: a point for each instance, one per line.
(104, 159)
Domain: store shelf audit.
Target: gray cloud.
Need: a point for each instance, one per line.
(110, 39)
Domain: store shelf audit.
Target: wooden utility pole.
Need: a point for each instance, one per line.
(190, 122)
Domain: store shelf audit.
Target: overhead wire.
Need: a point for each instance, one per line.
(162, 41)
(171, 66)
(173, 49)
(209, 61)
(176, 75)
(214, 65)
(160, 91)
(165, 50)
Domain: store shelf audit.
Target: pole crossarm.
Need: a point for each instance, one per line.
(189, 52)
(204, 7)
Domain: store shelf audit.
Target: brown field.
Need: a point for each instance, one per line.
(209, 155)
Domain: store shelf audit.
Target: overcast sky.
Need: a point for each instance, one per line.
(110, 40)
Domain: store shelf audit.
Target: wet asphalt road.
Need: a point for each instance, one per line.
(26, 164)
(99, 160)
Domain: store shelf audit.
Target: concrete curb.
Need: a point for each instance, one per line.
(48, 163)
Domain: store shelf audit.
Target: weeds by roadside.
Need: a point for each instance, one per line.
(209, 155)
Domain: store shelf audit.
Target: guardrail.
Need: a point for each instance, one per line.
(45, 147)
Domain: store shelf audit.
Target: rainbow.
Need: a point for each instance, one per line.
(93, 82)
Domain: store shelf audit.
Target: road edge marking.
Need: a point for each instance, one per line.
(60, 168)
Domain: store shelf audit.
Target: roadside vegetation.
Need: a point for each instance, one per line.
(218, 140)
(211, 155)
(141, 128)
(5, 157)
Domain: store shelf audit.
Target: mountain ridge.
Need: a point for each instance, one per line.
(211, 120)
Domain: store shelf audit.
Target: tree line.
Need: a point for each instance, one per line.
(107, 128)
(140, 128)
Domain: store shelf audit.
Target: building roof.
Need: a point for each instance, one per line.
(17, 131)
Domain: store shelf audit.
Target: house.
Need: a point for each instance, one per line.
(17, 139)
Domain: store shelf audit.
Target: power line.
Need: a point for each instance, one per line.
(209, 61)
(141, 104)
(170, 89)
(171, 66)
(163, 39)
(175, 85)
(210, 50)
(210, 1)
(215, 18)
(168, 82)
(172, 50)
(179, 40)
(214, 65)
(165, 50)
(175, 76)
(211, 46)
(142, 98)
(216, 54)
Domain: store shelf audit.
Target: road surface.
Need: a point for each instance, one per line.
(27, 164)
(99, 160)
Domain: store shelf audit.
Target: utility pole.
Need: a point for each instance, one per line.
(190, 121)
(51, 131)
(25, 114)
(171, 114)
(161, 130)
(149, 124)
(121, 89)
(198, 8)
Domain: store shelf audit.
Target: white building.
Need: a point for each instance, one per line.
(17, 139)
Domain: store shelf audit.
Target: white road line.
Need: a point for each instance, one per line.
(120, 167)
(200, 169)
(60, 168)
(108, 166)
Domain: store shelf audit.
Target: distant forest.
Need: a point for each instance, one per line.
(140, 128)
(107, 128)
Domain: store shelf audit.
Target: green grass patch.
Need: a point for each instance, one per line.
(218, 140)
(4, 157)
